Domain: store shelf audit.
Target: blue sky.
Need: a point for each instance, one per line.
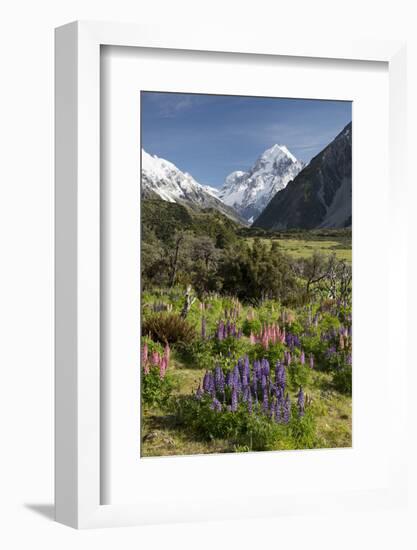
(210, 136)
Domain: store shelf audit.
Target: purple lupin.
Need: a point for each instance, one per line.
(234, 400)
(300, 402)
(249, 401)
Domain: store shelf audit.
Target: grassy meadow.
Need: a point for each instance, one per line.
(305, 248)
(246, 337)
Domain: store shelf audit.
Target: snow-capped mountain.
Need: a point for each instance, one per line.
(250, 192)
(320, 196)
(162, 179)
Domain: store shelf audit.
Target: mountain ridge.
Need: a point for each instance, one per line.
(320, 196)
(162, 179)
(250, 192)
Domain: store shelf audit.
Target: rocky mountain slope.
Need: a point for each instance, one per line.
(321, 194)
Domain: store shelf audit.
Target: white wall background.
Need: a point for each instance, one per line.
(26, 269)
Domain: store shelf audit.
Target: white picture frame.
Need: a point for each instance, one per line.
(78, 405)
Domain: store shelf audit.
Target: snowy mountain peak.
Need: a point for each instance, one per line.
(161, 179)
(277, 151)
(249, 192)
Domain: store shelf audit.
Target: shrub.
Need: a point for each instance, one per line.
(157, 383)
(303, 429)
(168, 327)
(230, 347)
(199, 354)
(342, 379)
(156, 391)
(251, 325)
(312, 344)
(255, 432)
(299, 375)
(274, 353)
(329, 322)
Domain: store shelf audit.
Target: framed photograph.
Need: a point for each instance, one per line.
(228, 311)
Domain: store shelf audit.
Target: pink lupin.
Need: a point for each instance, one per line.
(167, 352)
(163, 367)
(145, 353)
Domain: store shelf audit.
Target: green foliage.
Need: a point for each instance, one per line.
(255, 273)
(152, 346)
(157, 391)
(329, 322)
(298, 375)
(268, 276)
(312, 344)
(168, 327)
(274, 353)
(199, 354)
(163, 219)
(296, 328)
(230, 347)
(342, 379)
(256, 432)
(303, 429)
(250, 432)
(251, 325)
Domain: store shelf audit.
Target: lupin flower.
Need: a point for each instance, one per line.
(219, 379)
(311, 361)
(228, 379)
(207, 382)
(249, 401)
(286, 409)
(216, 405)
(265, 401)
(280, 375)
(302, 358)
(236, 381)
(163, 367)
(220, 331)
(277, 411)
(155, 358)
(167, 353)
(300, 402)
(199, 393)
(234, 400)
(265, 367)
(145, 352)
(246, 366)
